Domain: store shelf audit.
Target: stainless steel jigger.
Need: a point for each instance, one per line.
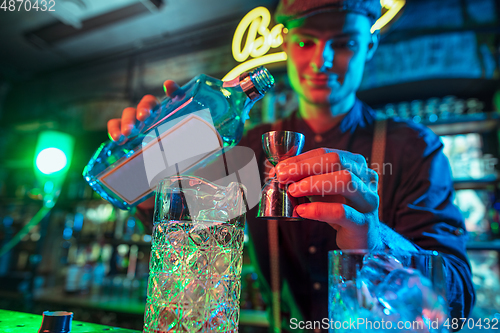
(275, 201)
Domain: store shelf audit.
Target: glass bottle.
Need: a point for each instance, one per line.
(203, 116)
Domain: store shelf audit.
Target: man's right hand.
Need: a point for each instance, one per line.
(124, 128)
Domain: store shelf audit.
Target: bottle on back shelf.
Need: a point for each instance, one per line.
(203, 116)
(72, 283)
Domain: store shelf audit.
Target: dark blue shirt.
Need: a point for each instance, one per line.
(417, 203)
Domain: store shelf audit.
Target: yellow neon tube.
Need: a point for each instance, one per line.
(394, 8)
(247, 65)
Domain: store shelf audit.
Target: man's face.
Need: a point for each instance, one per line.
(326, 55)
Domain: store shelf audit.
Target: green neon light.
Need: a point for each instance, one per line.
(51, 160)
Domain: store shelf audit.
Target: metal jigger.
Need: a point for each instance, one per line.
(275, 201)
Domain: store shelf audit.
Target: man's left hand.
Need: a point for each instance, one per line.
(343, 193)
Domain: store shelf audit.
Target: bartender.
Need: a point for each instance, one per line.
(328, 43)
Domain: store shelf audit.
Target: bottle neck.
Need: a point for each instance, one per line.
(251, 83)
(249, 87)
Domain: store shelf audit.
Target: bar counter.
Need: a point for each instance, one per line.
(19, 322)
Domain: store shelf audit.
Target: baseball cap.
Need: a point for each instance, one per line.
(289, 10)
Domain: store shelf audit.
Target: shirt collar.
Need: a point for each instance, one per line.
(360, 115)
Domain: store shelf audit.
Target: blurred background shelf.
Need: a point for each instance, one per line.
(473, 123)
(428, 88)
(119, 304)
(474, 184)
(484, 245)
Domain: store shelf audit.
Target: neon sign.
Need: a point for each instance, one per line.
(258, 42)
(259, 39)
(392, 7)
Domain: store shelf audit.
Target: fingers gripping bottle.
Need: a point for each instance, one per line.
(203, 116)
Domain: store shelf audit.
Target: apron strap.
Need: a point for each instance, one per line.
(378, 156)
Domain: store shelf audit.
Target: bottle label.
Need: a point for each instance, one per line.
(169, 149)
